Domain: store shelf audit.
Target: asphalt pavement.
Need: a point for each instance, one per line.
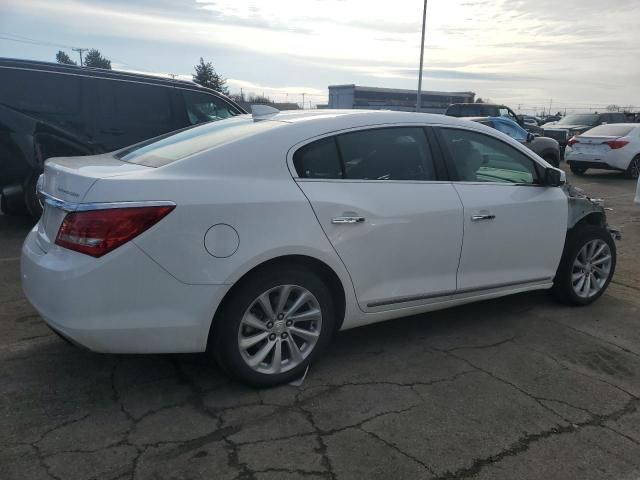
(515, 388)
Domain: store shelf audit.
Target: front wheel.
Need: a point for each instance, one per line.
(577, 170)
(633, 171)
(273, 326)
(587, 265)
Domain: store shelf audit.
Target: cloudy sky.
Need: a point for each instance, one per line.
(580, 54)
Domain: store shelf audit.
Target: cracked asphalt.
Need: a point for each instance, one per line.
(515, 388)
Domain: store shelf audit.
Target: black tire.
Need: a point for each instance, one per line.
(552, 160)
(31, 200)
(223, 341)
(12, 205)
(577, 170)
(577, 238)
(633, 171)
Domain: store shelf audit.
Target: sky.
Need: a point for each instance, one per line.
(530, 54)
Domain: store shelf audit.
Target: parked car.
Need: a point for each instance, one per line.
(613, 146)
(462, 110)
(60, 110)
(528, 120)
(256, 239)
(547, 148)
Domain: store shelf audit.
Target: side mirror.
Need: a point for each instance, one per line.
(553, 177)
(530, 137)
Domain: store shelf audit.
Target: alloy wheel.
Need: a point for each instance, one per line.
(591, 268)
(280, 329)
(634, 168)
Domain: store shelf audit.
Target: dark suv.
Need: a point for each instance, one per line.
(487, 110)
(49, 110)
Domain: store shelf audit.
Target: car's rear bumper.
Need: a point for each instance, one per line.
(610, 161)
(123, 302)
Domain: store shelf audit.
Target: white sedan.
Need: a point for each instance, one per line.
(256, 238)
(614, 146)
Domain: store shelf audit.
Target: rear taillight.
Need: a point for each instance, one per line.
(97, 232)
(618, 143)
(572, 141)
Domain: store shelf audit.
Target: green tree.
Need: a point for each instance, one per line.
(62, 57)
(207, 76)
(95, 59)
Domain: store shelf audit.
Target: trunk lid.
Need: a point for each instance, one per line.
(593, 145)
(66, 182)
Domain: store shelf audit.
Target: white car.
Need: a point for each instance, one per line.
(614, 146)
(256, 238)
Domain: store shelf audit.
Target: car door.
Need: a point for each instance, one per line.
(514, 226)
(394, 224)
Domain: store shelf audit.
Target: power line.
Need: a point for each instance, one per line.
(21, 39)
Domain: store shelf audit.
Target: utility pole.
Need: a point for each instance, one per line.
(424, 23)
(303, 94)
(80, 50)
(550, 103)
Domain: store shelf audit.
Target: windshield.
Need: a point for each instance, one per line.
(609, 131)
(580, 119)
(174, 146)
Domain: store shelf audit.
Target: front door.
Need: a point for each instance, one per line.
(514, 226)
(396, 227)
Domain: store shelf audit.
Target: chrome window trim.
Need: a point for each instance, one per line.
(85, 207)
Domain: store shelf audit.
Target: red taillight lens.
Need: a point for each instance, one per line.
(97, 232)
(618, 143)
(572, 141)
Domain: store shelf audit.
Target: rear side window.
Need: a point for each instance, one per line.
(400, 153)
(609, 131)
(318, 160)
(137, 102)
(202, 107)
(49, 95)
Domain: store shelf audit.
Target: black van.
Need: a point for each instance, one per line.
(48, 110)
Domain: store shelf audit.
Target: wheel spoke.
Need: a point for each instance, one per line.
(581, 283)
(576, 276)
(306, 335)
(309, 315)
(249, 342)
(265, 302)
(261, 354)
(602, 260)
(300, 301)
(587, 285)
(284, 296)
(296, 355)
(276, 362)
(251, 320)
(601, 271)
(598, 251)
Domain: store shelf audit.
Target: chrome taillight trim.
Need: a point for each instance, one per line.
(85, 207)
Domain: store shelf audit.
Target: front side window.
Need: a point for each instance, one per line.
(386, 154)
(480, 158)
(202, 107)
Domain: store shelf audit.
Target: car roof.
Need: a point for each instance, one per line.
(106, 74)
(479, 104)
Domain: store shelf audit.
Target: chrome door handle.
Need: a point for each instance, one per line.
(485, 216)
(342, 220)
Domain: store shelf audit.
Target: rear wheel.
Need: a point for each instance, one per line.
(12, 205)
(633, 171)
(587, 265)
(273, 326)
(577, 170)
(31, 197)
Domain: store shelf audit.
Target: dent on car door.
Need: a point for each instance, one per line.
(514, 226)
(396, 228)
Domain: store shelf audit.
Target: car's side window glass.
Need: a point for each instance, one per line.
(400, 153)
(148, 104)
(480, 158)
(202, 107)
(318, 160)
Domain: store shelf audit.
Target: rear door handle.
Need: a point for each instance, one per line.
(344, 220)
(483, 216)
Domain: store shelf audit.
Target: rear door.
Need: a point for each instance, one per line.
(514, 226)
(379, 198)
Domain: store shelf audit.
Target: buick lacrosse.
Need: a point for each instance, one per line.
(256, 238)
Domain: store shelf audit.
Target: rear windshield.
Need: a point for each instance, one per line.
(174, 146)
(609, 131)
(579, 119)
